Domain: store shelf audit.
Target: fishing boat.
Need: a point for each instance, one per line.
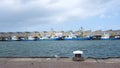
(70, 37)
(117, 37)
(84, 38)
(55, 38)
(22, 39)
(31, 38)
(14, 38)
(6, 39)
(43, 38)
(50, 38)
(82, 35)
(107, 36)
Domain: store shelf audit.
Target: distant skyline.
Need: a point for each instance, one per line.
(61, 15)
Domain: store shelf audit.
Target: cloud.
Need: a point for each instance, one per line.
(24, 12)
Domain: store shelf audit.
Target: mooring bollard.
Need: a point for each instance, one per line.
(78, 55)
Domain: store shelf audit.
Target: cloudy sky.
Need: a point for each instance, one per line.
(42, 15)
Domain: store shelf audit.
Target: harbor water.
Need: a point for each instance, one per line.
(91, 48)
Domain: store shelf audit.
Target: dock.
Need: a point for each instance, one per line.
(58, 63)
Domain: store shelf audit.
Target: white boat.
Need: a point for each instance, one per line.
(43, 38)
(68, 38)
(30, 38)
(55, 38)
(14, 38)
(106, 36)
(22, 39)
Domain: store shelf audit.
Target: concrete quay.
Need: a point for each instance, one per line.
(58, 63)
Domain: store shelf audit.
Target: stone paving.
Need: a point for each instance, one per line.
(58, 63)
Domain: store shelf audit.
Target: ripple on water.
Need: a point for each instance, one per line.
(95, 49)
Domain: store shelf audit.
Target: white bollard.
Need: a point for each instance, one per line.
(78, 55)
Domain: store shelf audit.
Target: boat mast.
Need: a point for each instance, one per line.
(81, 31)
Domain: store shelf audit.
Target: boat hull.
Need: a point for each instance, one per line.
(109, 39)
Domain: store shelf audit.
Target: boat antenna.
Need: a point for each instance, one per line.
(81, 28)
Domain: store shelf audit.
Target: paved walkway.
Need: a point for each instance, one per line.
(58, 63)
